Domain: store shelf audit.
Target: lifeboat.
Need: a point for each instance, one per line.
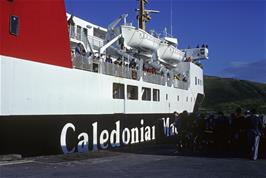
(140, 39)
(170, 53)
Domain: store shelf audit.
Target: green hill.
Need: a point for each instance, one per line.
(225, 94)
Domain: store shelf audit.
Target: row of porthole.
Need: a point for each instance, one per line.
(178, 99)
(198, 81)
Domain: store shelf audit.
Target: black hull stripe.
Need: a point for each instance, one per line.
(40, 135)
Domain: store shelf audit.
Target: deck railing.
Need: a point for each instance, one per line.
(180, 84)
(84, 63)
(120, 71)
(153, 78)
(95, 65)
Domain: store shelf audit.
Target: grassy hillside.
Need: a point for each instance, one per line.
(224, 94)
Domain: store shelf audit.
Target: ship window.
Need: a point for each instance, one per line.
(177, 97)
(166, 97)
(195, 80)
(199, 81)
(78, 32)
(156, 95)
(99, 33)
(187, 99)
(84, 34)
(118, 91)
(132, 92)
(72, 30)
(146, 94)
(14, 24)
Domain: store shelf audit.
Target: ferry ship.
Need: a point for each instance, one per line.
(68, 85)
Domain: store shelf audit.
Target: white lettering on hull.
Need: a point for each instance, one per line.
(113, 139)
(169, 129)
(115, 136)
(63, 138)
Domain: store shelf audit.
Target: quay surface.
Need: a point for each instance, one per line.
(134, 161)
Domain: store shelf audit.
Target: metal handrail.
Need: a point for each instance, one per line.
(95, 65)
(153, 78)
(82, 62)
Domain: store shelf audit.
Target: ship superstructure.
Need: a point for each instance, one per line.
(146, 70)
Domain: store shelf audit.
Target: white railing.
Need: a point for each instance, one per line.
(120, 71)
(180, 84)
(153, 78)
(94, 65)
(83, 63)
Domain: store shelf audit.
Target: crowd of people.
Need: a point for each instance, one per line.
(240, 133)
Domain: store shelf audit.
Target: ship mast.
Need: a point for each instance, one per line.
(144, 15)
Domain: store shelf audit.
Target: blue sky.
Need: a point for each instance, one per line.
(234, 30)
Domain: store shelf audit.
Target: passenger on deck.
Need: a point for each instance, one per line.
(83, 52)
(109, 59)
(144, 68)
(102, 58)
(140, 65)
(168, 75)
(151, 70)
(72, 54)
(132, 64)
(118, 61)
(177, 77)
(78, 49)
(121, 41)
(90, 57)
(184, 77)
